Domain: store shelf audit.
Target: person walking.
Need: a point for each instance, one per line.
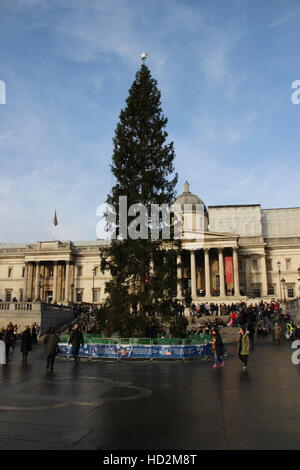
(51, 347)
(26, 343)
(243, 346)
(76, 340)
(297, 331)
(34, 334)
(277, 333)
(2, 350)
(9, 339)
(251, 330)
(217, 347)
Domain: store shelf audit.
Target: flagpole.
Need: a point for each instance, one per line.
(55, 223)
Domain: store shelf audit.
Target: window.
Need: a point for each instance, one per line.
(96, 296)
(10, 272)
(79, 271)
(8, 295)
(21, 295)
(269, 265)
(288, 264)
(79, 295)
(290, 290)
(255, 264)
(256, 290)
(23, 272)
(271, 290)
(241, 265)
(96, 270)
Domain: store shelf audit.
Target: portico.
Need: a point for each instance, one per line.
(48, 280)
(48, 271)
(209, 270)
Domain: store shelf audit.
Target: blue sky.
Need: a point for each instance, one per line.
(224, 68)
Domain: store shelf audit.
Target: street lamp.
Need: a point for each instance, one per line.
(299, 279)
(283, 286)
(279, 273)
(94, 273)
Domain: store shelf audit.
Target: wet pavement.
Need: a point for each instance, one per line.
(110, 405)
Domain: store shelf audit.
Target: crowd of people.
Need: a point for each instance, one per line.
(261, 318)
(28, 338)
(209, 308)
(9, 337)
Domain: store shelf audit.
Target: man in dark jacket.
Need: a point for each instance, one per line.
(26, 343)
(76, 340)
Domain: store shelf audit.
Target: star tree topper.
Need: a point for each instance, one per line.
(144, 56)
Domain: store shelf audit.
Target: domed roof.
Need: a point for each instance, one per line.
(188, 198)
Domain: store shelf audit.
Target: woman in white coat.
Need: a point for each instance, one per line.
(2, 350)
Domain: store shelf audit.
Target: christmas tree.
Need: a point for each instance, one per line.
(143, 286)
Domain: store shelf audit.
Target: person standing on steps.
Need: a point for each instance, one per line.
(243, 346)
(277, 333)
(76, 340)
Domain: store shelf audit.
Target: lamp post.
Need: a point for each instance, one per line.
(283, 287)
(94, 272)
(299, 279)
(279, 273)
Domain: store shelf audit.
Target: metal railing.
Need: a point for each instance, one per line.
(98, 339)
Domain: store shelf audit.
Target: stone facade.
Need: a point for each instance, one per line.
(238, 252)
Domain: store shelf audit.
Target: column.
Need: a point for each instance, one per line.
(58, 282)
(67, 281)
(36, 286)
(29, 287)
(193, 274)
(236, 273)
(207, 273)
(264, 279)
(248, 275)
(221, 273)
(179, 277)
(43, 281)
(54, 294)
(25, 295)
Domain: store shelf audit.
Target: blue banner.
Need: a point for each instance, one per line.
(138, 351)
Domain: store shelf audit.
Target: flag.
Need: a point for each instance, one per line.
(55, 221)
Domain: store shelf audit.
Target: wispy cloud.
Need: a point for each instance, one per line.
(284, 18)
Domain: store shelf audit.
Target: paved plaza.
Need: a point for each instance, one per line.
(110, 405)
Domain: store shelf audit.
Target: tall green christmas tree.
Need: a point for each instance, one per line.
(143, 270)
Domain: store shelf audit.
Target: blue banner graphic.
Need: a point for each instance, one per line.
(137, 351)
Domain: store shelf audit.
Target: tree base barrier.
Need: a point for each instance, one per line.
(124, 350)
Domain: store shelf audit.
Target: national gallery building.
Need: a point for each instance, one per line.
(243, 252)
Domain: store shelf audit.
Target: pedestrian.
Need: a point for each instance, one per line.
(51, 347)
(76, 340)
(243, 346)
(26, 343)
(251, 330)
(217, 347)
(277, 333)
(297, 331)
(34, 334)
(9, 339)
(2, 350)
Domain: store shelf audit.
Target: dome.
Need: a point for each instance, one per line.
(188, 198)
